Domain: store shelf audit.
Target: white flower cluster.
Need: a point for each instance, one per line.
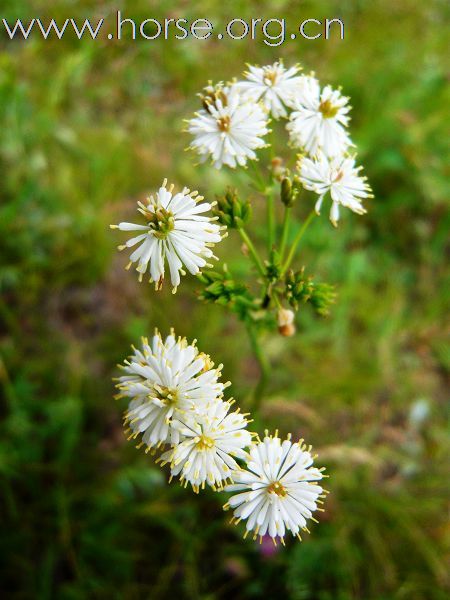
(229, 129)
(235, 118)
(177, 400)
(176, 405)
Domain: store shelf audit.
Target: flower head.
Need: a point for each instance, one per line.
(278, 490)
(273, 84)
(228, 129)
(210, 443)
(175, 230)
(163, 380)
(340, 177)
(319, 118)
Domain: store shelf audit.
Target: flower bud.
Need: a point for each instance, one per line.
(287, 330)
(290, 190)
(285, 319)
(286, 192)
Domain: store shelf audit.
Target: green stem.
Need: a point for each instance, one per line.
(270, 220)
(296, 242)
(285, 231)
(253, 252)
(266, 189)
(264, 369)
(277, 301)
(258, 178)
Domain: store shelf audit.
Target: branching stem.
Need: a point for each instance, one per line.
(253, 252)
(257, 178)
(296, 242)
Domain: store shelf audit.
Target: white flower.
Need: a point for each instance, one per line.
(319, 119)
(278, 491)
(211, 442)
(175, 231)
(163, 380)
(341, 178)
(228, 129)
(273, 84)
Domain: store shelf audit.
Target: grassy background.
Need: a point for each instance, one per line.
(88, 127)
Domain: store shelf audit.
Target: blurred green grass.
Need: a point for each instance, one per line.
(89, 127)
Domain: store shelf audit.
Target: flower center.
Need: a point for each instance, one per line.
(204, 443)
(161, 222)
(270, 77)
(166, 395)
(224, 123)
(276, 488)
(339, 176)
(328, 110)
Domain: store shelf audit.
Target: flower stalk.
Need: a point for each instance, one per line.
(270, 219)
(285, 230)
(264, 370)
(252, 250)
(301, 232)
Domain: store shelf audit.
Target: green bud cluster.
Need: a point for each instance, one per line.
(221, 289)
(231, 211)
(302, 289)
